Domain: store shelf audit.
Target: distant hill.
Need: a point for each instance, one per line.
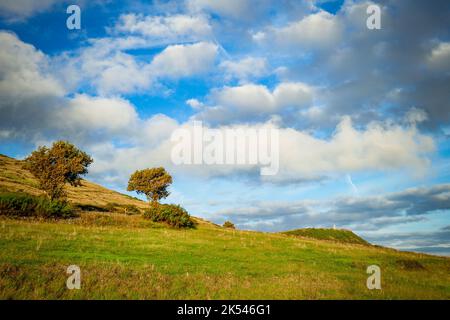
(338, 235)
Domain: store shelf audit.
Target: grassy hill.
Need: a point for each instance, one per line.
(14, 178)
(338, 235)
(90, 196)
(130, 257)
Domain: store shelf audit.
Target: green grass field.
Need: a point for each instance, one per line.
(129, 257)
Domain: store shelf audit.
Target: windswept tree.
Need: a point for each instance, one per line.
(151, 182)
(54, 167)
(229, 224)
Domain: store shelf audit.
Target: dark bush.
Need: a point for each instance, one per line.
(24, 205)
(410, 265)
(229, 224)
(128, 209)
(90, 207)
(173, 215)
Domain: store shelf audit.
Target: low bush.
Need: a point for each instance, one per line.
(128, 209)
(173, 215)
(24, 205)
(410, 264)
(229, 224)
(90, 207)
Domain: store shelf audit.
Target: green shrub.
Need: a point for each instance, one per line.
(24, 205)
(173, 215)
(131, 209)
(128, 209)
(229, 224)
(90, 207)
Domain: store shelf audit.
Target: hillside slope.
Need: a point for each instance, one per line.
(129, 257)
(338, 235)
(13, 178)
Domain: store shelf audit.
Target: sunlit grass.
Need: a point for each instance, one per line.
(129, 257)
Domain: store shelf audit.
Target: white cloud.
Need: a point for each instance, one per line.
(173, 28)
(109, 70)
(118, 73)
(317, 30)
(245, 69)
(378, 147)
(96, 113)
(439, 57)
(414, 116)
(252, 100)
(194, 104)
(292, 94)
(157, 128)
(247, 98)
(104, 66)
(28, 90)
(22, 68)
(184, 60)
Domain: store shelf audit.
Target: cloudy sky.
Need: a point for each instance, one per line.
(363, 115)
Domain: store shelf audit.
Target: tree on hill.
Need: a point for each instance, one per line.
(54, 167)
(151, 182)
(229, 224)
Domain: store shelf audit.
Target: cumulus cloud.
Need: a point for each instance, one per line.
(378, 147)
(439, 58)
(315, 31)
(244, 69)
(194, 104)
(115, 73)
(184, 60)
(165, 29)
(22, 67)
(107, 68)
(303, 157)
(96, 113)
(35, 104)
(253, 101)
(356, 70)
(23, 103)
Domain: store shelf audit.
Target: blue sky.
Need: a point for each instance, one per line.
(363, 115)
